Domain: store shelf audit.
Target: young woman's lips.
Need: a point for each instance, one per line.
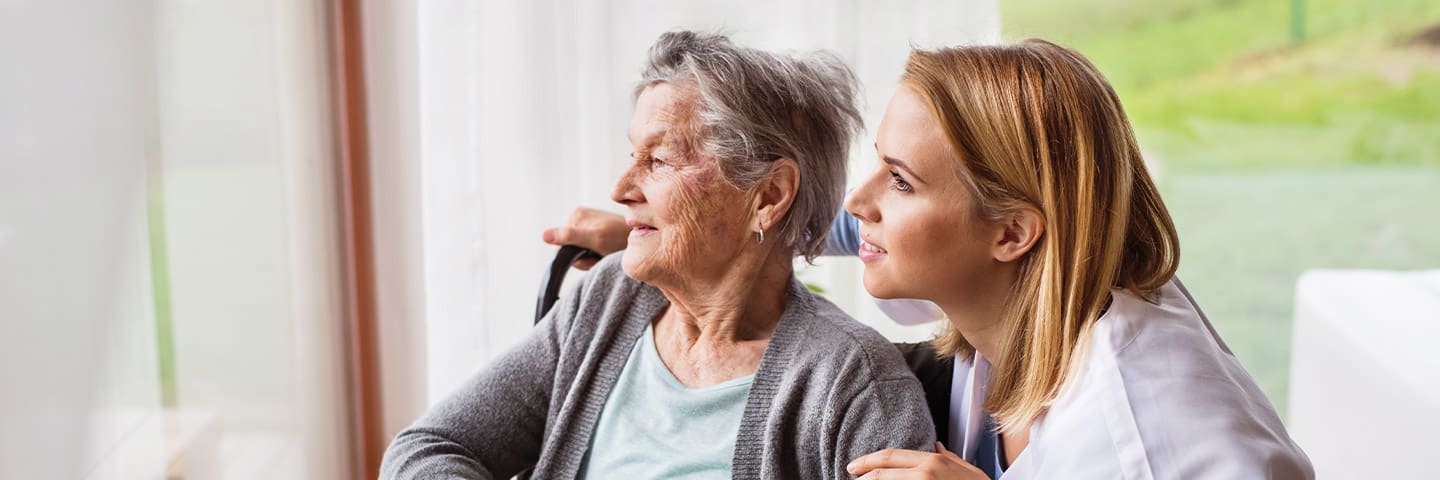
(871, 253)
(640, 229)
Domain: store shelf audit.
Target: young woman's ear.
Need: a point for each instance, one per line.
(1020, 231)
(777, 192)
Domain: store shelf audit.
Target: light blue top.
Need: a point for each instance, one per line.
(844, 236)
(652, 426)
(987, 457)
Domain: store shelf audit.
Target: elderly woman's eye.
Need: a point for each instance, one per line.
(898, 183)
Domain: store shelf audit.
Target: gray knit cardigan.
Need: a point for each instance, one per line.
(827, 390)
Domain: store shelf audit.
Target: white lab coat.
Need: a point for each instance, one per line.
(1158, 396)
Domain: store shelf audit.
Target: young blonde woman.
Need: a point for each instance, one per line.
(1011, 193)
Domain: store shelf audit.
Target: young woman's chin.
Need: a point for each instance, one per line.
(880, 285)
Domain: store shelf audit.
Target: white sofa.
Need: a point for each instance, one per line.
(1365, 373)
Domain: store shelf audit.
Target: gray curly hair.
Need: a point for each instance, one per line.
(755, 107)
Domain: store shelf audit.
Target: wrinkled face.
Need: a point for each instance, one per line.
(686, 221)
(921, 227)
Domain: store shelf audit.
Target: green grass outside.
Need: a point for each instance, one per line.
(1181, 66)
(1246, 237)
(160, 288)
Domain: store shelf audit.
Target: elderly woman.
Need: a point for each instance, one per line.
(696, 352)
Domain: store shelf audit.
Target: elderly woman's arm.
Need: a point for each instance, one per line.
(888, 413)
(492, 426)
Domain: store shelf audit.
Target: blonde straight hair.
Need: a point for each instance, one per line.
(1035, 126)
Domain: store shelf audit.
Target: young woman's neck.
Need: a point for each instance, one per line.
(978, 313)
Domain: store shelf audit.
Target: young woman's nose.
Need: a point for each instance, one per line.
(859, 202)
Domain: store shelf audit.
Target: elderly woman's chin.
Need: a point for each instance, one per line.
(643, 260)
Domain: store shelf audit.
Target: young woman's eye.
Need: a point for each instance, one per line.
(898, 183)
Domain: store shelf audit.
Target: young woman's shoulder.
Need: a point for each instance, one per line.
(1170, 398)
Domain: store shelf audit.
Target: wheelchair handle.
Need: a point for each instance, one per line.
(555, 276)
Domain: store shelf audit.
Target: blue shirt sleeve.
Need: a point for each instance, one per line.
(844, 236)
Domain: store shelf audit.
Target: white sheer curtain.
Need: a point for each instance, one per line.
(77, 358)
(167, 223)
(522, 112)
(248, 179)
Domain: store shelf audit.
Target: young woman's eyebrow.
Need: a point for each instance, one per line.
(898, 163)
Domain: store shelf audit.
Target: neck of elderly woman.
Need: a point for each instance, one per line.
(735, 301)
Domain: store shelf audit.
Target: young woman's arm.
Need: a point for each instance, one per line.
(844, 239)
(605, 233)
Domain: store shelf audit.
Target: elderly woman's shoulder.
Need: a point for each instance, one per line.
(835, 337)
(597, 288)
(609, 269)
(829, 338)
(607, 276)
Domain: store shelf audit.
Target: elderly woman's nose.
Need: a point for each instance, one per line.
(625, 191)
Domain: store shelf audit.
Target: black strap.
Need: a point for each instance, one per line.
(555, 276)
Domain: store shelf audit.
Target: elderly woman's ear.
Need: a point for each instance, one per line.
(776, 193)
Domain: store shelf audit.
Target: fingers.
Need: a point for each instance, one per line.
(579, 214)
(911, 464)
(610, 232)
(887, 458)
(551, 236)
(569, 235)
(573, 232)
(940, 448)
(584, 264)
(890, 474)
(597, 230)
